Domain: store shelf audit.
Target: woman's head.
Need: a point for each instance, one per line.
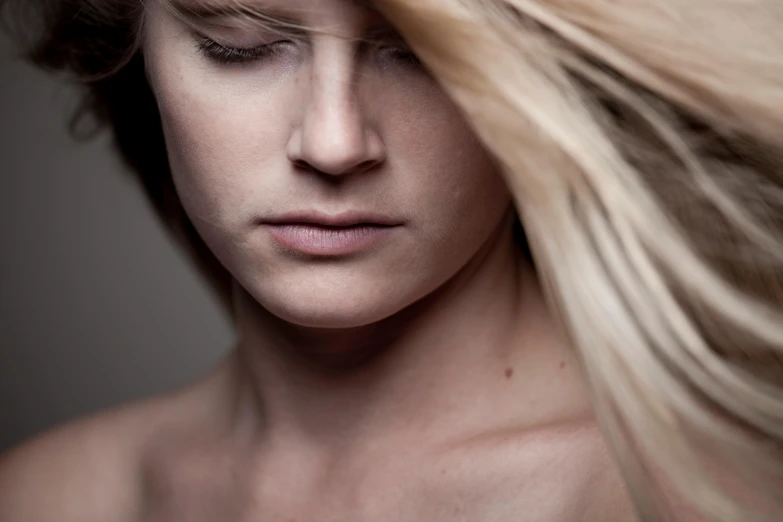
(338, 119)
(318, 112)
(639, 139)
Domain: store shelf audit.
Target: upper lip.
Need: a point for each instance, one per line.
(344, 219)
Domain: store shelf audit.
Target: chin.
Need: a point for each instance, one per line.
(334, 310)
(330, 321)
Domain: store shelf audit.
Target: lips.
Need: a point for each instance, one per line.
(330, 235)
(346, 219)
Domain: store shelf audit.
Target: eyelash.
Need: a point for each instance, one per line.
(227, 55)
(405, 55)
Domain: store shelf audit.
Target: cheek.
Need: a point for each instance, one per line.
(215, 150)
(470, 180)
(447, 171)
(221, 137)
(472, 198)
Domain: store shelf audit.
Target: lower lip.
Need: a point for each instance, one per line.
(328, 241)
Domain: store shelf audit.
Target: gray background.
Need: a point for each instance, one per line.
(97, 307)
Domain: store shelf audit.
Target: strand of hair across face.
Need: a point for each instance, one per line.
(628, 274)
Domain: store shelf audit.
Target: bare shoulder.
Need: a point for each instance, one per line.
(563, 474)
(575, 464)
(82, 471)
(90, 469)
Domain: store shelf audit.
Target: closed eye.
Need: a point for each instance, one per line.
(401, 53)
(227, 55)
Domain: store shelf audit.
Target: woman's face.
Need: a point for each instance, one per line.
(330, 175)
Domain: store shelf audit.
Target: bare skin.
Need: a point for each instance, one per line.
(176, 458)
(523, 448)
(421, 380)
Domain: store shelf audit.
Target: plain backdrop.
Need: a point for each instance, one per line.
(97, 307)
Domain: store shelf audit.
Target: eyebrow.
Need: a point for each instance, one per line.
(204, 10)
(272, 16)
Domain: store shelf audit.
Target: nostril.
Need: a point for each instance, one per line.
(365, 166)
(359, 168)
(303, 165)
(336, 151)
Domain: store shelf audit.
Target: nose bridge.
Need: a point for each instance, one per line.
(334, 132)
(334, 60)
(333, 100)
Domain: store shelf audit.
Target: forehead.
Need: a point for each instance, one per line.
(310, 12)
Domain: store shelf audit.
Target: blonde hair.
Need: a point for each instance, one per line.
(642, 141)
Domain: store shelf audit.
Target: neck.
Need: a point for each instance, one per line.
(475, 354)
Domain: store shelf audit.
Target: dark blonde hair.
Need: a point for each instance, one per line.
(642, 142)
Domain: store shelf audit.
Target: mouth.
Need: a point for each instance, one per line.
(344, 220)
(328, 236)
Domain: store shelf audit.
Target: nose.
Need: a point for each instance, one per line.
(333, 137)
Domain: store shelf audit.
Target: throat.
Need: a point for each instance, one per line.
(436, 369)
